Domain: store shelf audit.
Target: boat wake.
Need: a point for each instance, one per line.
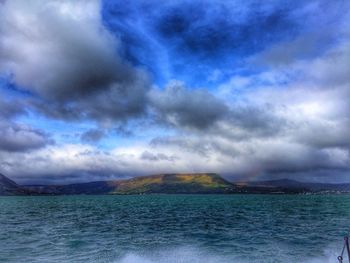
(195, 255)
(178, 255)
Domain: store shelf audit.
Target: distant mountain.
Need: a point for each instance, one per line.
(9, 187)
(91, 188)
(306, 186)
(196, 183)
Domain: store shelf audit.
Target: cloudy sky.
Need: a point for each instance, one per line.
(98, 90)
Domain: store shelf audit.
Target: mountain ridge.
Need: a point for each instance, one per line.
(160, 183)
(173, 183)
(307, 185)
(9, 187)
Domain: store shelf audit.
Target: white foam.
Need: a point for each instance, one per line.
(195, 255)
(330, 255)
(178, 255)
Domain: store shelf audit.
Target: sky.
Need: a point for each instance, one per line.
(99, 90)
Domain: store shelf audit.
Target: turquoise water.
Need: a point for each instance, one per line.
(173, 228)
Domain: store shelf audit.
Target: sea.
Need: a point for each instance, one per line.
(173, 228)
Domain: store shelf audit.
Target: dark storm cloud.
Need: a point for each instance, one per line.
(84, 64)
(182, 107)
(114, 103)
(20, 138)
(63, 55)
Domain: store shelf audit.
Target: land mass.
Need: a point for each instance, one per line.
(193, 183)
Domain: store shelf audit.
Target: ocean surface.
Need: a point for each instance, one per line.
(173, 228)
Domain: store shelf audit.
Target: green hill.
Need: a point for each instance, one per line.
(173, 183)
